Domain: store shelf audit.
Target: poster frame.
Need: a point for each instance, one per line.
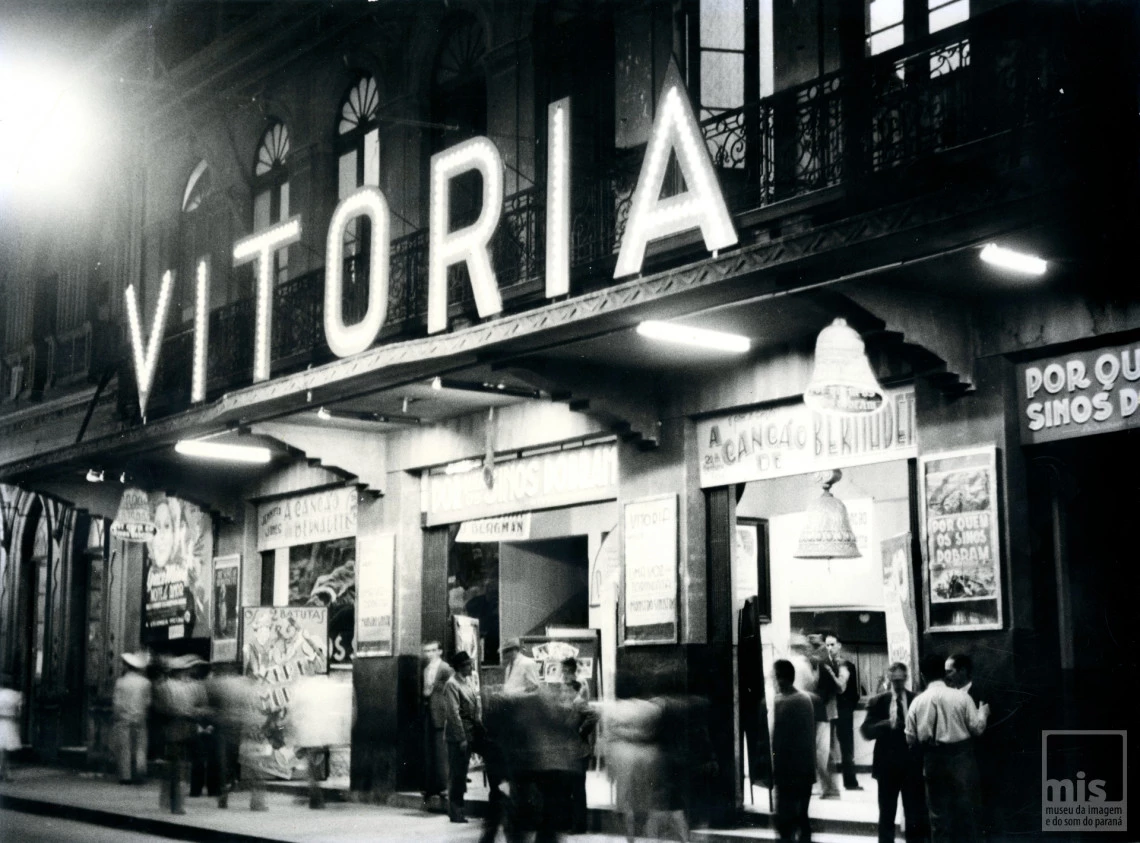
(990, 453)
(662, 633)
(231, 652)
(760, 560)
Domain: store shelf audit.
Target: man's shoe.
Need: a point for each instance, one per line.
(852, 787)
(459, 819)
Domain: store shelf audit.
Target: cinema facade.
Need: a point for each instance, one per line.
(409, 257)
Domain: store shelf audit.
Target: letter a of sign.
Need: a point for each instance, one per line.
(146, 356)
(701, 206)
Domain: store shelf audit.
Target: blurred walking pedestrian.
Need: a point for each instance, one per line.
(634, 761)
(204, 768)
(180, 703)
(793, 753)
(11, 704)
(582, 722)
(520, 672)
(130, 704)
(311, 727)
(232, 699)
(464, 718)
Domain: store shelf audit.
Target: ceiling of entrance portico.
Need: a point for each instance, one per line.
(768, 324)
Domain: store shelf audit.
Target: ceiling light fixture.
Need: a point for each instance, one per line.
(437, 382)
(1004, 258)
(220, 451)
(324, 415)
(94, 475)
(696, 337)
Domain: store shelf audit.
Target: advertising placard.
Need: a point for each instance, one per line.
(306, 519)
(178, 570)
(961, 539)
(227, 588)
(375, 573)
(650, 536)
(898, 601)
(1079, 394)
(793, 439)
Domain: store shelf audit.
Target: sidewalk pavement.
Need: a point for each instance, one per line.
(101, 800)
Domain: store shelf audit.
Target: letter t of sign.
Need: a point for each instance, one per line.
(260, 248)
(468, 244)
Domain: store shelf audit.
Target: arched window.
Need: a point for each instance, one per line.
(358, 164)
(271, 189)
(459, 104)
(194, 241)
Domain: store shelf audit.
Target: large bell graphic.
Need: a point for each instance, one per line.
(827, 533)
(842, 382)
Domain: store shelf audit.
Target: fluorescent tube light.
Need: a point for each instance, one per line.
(697, 337)
(1000, 256)
(220, 451)
(462, 466)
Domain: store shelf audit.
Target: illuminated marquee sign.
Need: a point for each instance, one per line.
(675, 130)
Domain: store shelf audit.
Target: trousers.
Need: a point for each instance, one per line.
(953, 791)
(792, 802)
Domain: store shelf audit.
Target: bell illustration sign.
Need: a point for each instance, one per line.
(1080, 394)
(675, 133)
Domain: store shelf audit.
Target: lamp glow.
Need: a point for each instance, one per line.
(146, 356)
(324, 415)
(260, 247)
(345, 340)
(695, 337)
(1004, 258)
(205, 449)
(558, 199)
(701, 206)
(201, 332)
(468, 244)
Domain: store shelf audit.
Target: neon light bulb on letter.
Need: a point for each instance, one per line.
(558, 199)
(146, 356)
(260, 248)
(347, 340)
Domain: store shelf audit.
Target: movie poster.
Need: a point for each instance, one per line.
(227, 582)
(281, 645)
(178, 571)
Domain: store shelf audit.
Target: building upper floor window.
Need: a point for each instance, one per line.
(358, 164)
(459, 104)
(730, 60)
(271, 188)
(887, 28)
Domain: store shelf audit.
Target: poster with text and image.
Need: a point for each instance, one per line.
(324, 574)
(961, 539)
(650, 542)
(178, 589)
(227, 585)
(375, 572)
(899, 603)
(282, 645)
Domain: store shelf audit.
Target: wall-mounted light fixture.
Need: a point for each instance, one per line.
(94, 475)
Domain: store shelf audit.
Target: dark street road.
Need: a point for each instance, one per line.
(30, 828)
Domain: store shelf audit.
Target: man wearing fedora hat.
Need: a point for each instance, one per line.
(520, 672)
(130, 703)
(464, 721)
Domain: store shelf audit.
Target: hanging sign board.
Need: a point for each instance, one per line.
(375, 581)
(1079, 394)
(560, 478)
(793, 439)
(133, 522)
(650, 534)
(961, 544)
(505, 528)
(307, 519)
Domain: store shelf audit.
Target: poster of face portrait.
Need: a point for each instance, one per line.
(227, 572)
(281, 646)
(178, 571)
(324, 574)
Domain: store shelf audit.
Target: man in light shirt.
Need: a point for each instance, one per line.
(944, 722)
(520, 673)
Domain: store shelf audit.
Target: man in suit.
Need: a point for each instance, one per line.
(464, 721)
(434, 713)
(827, 687)
(896, 768)
(520, 673)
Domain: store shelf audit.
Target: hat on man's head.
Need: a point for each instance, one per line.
(460, 659)
(138, 661)
(184, 662)
(510, 644)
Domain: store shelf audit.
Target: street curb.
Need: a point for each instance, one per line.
(128, 822)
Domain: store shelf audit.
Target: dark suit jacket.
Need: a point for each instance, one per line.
(437, 704)
(892, 757)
